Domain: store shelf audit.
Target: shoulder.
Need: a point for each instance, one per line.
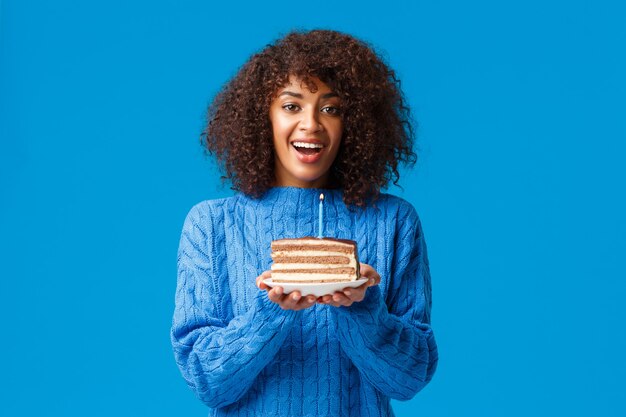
(206, 207)
(396, 208)
(207, 212)
(402, 215)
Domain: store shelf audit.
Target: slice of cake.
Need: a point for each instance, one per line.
(311, 259)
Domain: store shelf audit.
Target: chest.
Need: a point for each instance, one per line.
(248, 235)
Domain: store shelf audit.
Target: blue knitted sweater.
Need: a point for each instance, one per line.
(243, 355)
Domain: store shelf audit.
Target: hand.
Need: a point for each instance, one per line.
(291, 301)
(352, 295)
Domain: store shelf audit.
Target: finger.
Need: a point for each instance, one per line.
(275, 294)
(306, 302)
(326, 298)
(341, 299)
(376, 278)
(291, 300)
(259, 280)
(365, 268)
(355, 294)
(368, 272)
(351, 292)
(260, 283)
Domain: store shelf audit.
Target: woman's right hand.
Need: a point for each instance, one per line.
(291, 301)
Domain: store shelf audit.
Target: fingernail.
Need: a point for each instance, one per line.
(372, 281)
(347, 292)
(296, 297)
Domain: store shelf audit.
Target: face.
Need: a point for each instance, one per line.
(307, 131)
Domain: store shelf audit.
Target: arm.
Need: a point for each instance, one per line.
(219, 356)
(391, 343)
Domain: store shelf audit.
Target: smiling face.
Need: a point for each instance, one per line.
(307, 130)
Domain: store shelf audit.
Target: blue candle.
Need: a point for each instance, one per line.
(319, 234)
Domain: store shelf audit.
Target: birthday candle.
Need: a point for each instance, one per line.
(319, 233)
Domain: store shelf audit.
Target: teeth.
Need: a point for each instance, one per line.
(308, 145)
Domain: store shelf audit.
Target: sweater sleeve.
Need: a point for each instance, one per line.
(219, 356)
(391, 342)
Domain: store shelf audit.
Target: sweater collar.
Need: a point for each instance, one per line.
(304, 197)
(297, 192)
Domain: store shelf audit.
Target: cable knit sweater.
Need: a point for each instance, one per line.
(243, 355)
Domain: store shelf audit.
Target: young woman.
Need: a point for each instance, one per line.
(314, 112)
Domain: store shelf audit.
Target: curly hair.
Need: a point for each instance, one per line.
(377, 125)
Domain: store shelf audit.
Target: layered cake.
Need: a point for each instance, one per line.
(314, 260)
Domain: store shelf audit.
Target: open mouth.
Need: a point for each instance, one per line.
(308, 148)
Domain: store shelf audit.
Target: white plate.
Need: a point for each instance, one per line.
(316, 289)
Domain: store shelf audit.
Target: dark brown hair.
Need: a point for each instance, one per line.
(377, 129)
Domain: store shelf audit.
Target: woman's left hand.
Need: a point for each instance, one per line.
(348, 296)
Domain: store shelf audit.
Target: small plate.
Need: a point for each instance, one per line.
(316, 289)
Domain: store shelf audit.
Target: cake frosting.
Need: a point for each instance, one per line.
(314, 260)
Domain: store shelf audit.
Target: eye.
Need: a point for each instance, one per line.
(291, 107)
(335, 111)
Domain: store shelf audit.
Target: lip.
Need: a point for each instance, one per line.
(307, 159)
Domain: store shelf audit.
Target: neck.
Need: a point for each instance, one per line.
(283, 181)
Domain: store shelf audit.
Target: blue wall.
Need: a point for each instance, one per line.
(520, 186)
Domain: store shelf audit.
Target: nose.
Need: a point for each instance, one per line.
(310, 121)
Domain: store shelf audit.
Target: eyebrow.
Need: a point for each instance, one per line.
(298, 95)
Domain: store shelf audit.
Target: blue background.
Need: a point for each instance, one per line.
(520, 186)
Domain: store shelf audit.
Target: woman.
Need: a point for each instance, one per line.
(314, 112)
